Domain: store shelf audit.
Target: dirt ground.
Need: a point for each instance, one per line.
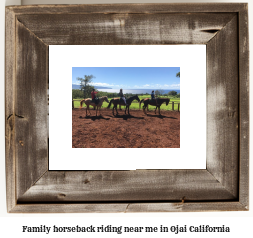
(124, 131)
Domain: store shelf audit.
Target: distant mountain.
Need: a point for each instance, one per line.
(74, 86)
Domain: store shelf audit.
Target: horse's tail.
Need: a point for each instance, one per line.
(110, 103)
(81, 103)
(141, 101)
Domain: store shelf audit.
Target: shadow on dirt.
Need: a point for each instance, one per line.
(94, 118)
(125, 117)
(160, 116)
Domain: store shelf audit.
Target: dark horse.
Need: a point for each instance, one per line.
(117, 101)
(157, 102)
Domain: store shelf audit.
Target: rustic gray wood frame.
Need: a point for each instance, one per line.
(222, 186)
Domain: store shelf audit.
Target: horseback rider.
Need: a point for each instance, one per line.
(122, 96)
(153, 96)
(93, 96)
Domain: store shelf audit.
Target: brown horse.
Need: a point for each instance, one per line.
(117, 101)
(155, 102)
(89, 102)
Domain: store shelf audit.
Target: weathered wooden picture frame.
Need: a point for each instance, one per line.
(222, 186)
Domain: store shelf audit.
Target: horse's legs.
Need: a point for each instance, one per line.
(97, 111)
(144, 107)
(114, 107)
(159, 110)
(116, 110)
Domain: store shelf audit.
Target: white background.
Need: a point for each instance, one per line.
(192, 151)
(11, 224)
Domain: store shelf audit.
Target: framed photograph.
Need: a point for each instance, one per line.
(141, 138)
(43, 46)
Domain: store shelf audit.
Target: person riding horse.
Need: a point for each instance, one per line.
(122, 96)
(93, 96)
(118, 101)
(153, 96)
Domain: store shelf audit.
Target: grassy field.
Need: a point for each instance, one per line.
(135, 104)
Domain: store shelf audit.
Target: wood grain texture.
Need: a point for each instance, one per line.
(129, 8)
(244, 106)
(129, 207)
(140, 185)
(10, 65)
(30, 108)
(222, 107)
(125, 29)
(186, 207)
(223, 186)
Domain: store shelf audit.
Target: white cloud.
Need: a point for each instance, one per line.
(159, 86)
(174, 85)
(123, 86)
(101, 84)
(145, 86)
(111, 85)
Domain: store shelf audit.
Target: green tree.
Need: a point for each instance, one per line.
(85, 85)
(76, 93)
(172, 93)
(157, 92)
(178, 75)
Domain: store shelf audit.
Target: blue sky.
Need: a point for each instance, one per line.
(130, 77)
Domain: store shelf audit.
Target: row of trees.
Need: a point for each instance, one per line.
(76, 93)
(170, 93)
